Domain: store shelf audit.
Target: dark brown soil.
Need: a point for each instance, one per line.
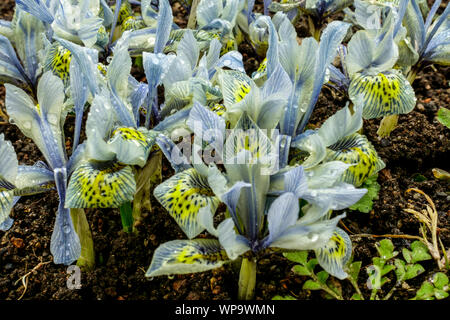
(416, 146)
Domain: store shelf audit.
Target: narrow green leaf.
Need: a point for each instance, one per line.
(126, 214)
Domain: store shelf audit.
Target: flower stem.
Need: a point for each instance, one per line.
(81, 225)
(247, 279)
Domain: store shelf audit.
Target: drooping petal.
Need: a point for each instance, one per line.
(384, 94)
(335, 254)
(357, 150)
(100, 185)
(326, 174)
(183, 195)
(307, 237)
(187, 256)
(338, 197)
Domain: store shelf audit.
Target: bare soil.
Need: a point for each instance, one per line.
(419, 144)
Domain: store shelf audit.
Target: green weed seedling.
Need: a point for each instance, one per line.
(435, 288)
(386, 262)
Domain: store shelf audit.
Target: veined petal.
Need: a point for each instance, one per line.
(156, 67)
(283, 213)
(326, 174)
(260, 75)
(233, 243)
(87, 59)
(10, 67)
(384, 94)
(357, 150)
(37, 8)
(307, 237)
(164, 25)
(295, 181)
(100, 185)
(335, 254)
(340, 125)
(338, 197)
(33, 178)
(58, 60)
(187, 256)
(235, 86)
(65, 245)
(8, 162)
(28, 41)
(183, 195)
(6, 204)
(132, 146)
(314, 145)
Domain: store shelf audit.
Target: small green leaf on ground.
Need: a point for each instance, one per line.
(365, 204)
(443, 116)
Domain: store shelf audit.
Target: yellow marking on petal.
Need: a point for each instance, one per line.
(58, 60)
(230, 45)
(357, 150)
(190, 256)
(130, 134)
(95, 185)
(183, 195)
(335, 254)
(383, 94)
(132, 23)
(218, 108)
(102, 68)
(125, 11)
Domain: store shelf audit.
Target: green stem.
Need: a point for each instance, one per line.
(411, 76)
(355, 285)
(326, 288)
(126, 214)
(81, 225)
(247, 279)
